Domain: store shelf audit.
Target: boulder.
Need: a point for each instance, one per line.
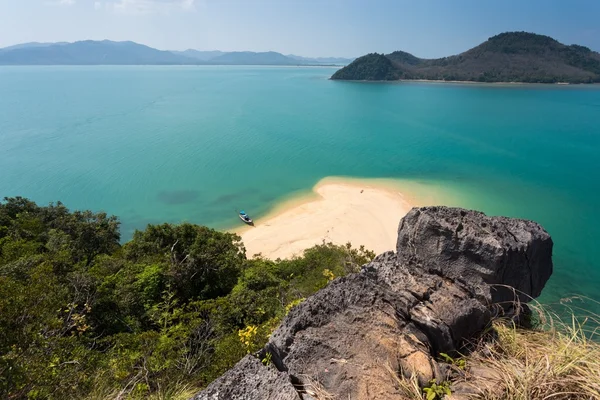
(504, 253)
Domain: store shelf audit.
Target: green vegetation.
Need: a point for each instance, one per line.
(459, 363)
(436, 390)
(82, 316)
(507, 57)
(372, 67)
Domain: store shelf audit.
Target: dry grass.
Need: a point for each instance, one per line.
(172, 392)
(560, 360)
(407, 388)
(183, 392)
(313, 388)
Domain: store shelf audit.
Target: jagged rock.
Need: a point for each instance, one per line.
(250, 380)
(358, 335)
(470, 246)
(448, 311)
(349, 337)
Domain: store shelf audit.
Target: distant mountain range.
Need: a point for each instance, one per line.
(129, 53)
(248, 57)
(507, 57)
(89, 53)
(29, 45)
(199, 55)
(322, 60)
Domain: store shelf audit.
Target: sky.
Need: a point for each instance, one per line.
(315, 28)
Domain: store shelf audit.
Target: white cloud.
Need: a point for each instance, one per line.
(152, 6)
(97, 5)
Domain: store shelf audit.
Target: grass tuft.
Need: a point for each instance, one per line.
(559, 359)
(408, 388)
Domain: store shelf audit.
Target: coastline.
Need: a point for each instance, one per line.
(338, 210)
(494, 83)
(585, 84)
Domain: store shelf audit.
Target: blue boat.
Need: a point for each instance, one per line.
(246, 218)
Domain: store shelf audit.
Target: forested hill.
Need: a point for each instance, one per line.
(372, 67)
(507, 57)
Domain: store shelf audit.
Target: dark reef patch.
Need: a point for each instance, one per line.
(173, 197)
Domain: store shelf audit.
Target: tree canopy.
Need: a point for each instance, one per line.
(83, 316)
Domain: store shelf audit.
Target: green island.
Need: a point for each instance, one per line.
(165, 314)
(508, 57)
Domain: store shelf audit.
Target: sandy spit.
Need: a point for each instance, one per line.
(362, 212)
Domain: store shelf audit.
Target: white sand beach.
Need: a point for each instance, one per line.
(362, 212)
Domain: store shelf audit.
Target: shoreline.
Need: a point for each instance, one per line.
(338, 210)
(490, 83)
(471, 82)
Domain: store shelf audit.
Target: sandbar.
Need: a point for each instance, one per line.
(340, 210)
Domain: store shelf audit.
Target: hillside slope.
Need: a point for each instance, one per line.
(372, 67)
(83, 314)
(507, 57)
(452, 271)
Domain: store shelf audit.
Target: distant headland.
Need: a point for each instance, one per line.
(519, 57)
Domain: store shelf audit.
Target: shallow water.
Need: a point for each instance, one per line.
(154, 144)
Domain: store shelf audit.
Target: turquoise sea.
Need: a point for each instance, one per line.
(155, 144)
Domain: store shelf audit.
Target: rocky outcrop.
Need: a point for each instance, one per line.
(512, 256)
(436, 292)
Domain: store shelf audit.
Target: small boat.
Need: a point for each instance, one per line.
(246, 218)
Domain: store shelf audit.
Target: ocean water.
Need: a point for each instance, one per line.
(156, 144)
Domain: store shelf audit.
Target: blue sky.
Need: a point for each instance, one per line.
(426, 28)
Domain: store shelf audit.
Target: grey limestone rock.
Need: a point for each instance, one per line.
(354, 337)
(250, 380)
(470, 246)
